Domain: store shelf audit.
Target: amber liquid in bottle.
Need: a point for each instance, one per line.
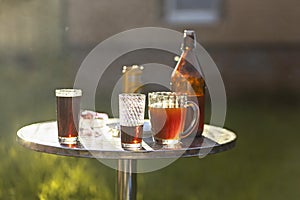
(187, 78)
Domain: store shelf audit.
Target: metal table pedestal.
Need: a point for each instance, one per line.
(127, 185)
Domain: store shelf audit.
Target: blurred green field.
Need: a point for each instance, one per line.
(264, 164)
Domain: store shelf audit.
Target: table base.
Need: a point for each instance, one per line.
(127, 183)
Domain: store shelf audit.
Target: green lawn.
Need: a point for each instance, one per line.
(264, 165)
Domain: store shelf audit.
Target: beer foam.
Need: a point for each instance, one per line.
(68, 92)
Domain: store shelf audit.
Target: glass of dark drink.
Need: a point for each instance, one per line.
(131, 111)
(68, 114)
(167, 113)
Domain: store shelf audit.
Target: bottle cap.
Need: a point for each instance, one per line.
(189, 39)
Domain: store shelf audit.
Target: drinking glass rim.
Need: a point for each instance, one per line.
(177, 94)
(68, 92)
(132, 95)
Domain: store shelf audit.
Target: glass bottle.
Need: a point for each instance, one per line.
(188, 78)
(132, 78)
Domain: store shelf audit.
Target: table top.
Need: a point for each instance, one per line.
(42, 137)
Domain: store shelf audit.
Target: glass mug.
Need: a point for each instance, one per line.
(167, 113)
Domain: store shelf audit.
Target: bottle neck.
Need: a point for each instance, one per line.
(189, 40)
(186, 51)
(187, 46)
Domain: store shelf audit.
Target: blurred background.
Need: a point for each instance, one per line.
(255, 44)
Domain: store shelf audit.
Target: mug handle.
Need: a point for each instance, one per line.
(194, 123)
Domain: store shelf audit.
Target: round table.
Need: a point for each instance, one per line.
(42, 137)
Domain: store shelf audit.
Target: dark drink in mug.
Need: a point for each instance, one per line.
(68, 114)
(167, 123)
(131, 135)
(167, 113)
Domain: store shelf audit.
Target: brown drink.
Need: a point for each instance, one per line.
(167, 112)
(199, 100)
(68, 113)
(188, 78)
(131, 134)
(167, 123)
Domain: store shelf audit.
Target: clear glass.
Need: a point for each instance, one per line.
(167, 113)
(68, 114)
(131, 111)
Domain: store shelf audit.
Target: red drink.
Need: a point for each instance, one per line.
(131, 136)
(167, 123)
(68, 113)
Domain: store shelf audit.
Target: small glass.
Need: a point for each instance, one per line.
(68, 114)
(131, 111)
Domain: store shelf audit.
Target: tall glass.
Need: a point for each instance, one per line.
(68, 114)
